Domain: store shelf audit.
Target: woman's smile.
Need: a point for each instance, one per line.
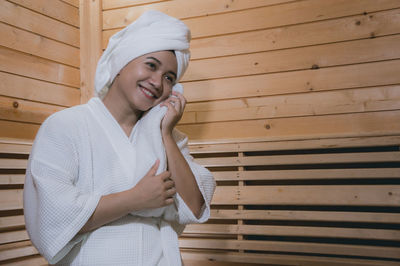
(148, 93)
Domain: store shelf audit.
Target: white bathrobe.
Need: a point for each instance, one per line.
(80, 154)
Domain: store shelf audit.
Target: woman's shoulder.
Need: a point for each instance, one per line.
(67, 122)
(68, 116)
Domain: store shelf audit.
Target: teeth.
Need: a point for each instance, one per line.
(148, 93)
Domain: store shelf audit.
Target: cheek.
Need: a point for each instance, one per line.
(166, 93)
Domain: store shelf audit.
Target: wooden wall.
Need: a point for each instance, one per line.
(267, 69)
(283, 69)
(39, 63)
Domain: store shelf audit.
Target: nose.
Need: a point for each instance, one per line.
(156, 80)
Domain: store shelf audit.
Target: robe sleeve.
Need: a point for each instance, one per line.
(205, 182)
(55, 208)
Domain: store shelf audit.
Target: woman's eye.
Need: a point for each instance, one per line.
(151, 65)
(169, 79)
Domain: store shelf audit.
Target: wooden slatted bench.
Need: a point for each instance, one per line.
(15, 246)
(305, 202)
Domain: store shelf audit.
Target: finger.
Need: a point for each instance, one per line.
(176, 93)
(181, 98)
(169, 106)
(154, 168)
(169, 201)
(170, 192)
(173, 99)
(165, 176)
(169, 184)
(176, 102)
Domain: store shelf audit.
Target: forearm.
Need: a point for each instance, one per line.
(112, 207)
(152, 191)
(185, 182)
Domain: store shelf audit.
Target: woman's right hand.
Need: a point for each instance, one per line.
(153, 191)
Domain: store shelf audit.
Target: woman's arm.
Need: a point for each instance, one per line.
(152, 191)
(181, 174)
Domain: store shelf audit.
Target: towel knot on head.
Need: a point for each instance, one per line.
(151, 32)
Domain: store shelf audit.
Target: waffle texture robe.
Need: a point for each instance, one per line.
(80, 154)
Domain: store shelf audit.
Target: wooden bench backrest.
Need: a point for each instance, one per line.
(309, 202)
(15, 247)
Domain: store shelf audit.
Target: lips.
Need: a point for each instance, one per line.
(149, 94)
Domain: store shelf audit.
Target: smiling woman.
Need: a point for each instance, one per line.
(111, 182)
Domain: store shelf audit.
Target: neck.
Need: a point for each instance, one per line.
(121, 111)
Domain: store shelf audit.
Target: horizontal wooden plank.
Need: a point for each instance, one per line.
(322, 216)
(283, 246)
(340, 29)
(328, 195)
(240, 257)
(18, 253)
(182, 9)
(11, 199)
(25, 111)
(31, 261)
(26, 19)
(347, 125)
(13, 163)
(12, 179)
(190, 262)
(345, 53)
(74, 3)
(38, 68)
(313, 103)
(330, 158)
(15, 245)
(308, 174)
(294, 231)
(294, 13)
(370, 97)
(302, 81)
(15, 148)
(14, 236)
(18, 130)
(33, 44)
(11, 222)
(239, 145)
(110, 4)
(297, 12)
(37, 90)
(54, 9)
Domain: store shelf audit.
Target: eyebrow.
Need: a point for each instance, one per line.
(160, 63)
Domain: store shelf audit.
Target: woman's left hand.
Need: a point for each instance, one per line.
(176, 105)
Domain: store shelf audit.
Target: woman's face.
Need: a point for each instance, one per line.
(147, 80)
